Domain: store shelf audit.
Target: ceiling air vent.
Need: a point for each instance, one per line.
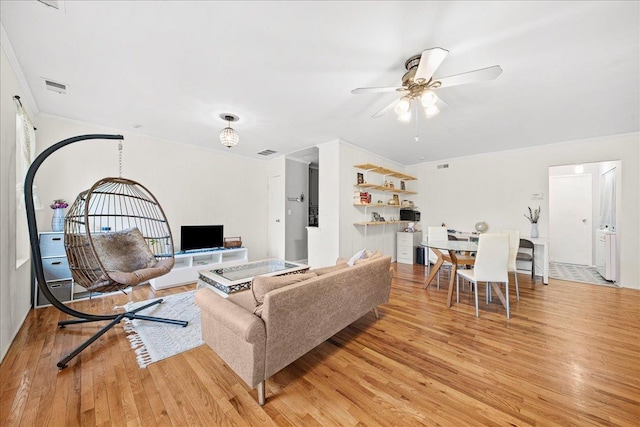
(56, 87)
(266, 152)
(443, 166)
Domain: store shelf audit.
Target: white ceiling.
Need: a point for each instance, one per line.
(571, 70)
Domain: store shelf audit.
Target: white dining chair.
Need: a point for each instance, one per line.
(514, 245)
(491, 264)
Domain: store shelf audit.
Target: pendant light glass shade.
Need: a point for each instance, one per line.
(229, 137)
(403, 105)
(428, 99)
(431, 111)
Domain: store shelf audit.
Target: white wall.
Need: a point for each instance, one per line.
(15, 293)
(497, 188)
(297, 213)
(193, 185)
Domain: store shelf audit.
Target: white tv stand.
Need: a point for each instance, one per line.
(185, 269)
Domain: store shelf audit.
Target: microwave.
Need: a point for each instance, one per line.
(409, 215)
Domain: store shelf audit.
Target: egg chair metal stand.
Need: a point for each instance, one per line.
(116, 236)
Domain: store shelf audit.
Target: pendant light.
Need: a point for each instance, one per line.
(228, 136)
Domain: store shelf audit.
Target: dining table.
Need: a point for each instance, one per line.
(458, 252)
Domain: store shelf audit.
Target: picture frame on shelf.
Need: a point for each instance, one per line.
(402, 185)
(360, 178)
(396, 199)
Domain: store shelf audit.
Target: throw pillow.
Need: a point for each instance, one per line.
(358, 255)
(369, 255)
(124, 250)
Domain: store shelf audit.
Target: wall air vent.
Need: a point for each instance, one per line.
(267, 152)
(443, 166)
(56, 87)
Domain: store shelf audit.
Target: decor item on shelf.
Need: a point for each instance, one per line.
(407, 203)
(59, 207)
(360, 178)
(228, 136)
(402, 185)
(396, 199)
(481, 227)
(375, 216)
(392, 202)
(533, 217)
(419, 84)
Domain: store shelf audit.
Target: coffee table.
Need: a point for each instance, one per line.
(225, 281)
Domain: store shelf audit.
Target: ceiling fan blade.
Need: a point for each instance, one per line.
(429, 63)
(481, 75)
(378, 89)
(386, 109)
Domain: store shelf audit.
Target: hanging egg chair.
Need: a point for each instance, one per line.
(116, 235)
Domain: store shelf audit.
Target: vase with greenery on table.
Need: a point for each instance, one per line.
(533, 217)
(59, 207)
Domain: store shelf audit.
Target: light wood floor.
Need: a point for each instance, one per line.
(570, 355)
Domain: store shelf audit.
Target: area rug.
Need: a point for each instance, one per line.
(577, 273)
(154, 341)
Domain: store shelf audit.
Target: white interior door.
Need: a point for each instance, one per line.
(570, 219)
(275, 229)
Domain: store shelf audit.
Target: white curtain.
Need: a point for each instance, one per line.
(608, 200)
(26, 146)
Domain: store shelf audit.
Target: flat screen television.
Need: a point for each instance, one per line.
(198, 237)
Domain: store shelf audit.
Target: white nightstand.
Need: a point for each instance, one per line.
(406, 246)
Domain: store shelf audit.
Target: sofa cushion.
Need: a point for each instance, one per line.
(263, 284)
(324, 270)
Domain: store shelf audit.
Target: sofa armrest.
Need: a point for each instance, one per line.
(243, 323)
(235, 334)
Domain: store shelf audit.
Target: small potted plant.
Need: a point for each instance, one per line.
(57, 220)
(533, 217)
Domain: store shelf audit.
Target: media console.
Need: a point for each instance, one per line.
(187, 265)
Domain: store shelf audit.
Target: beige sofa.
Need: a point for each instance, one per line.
(294, 318)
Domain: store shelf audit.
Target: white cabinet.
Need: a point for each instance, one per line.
(406, 246)
(56, 269)
(185, 269)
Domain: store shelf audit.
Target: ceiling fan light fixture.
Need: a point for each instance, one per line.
(428, 99)
(228, 136)
(403, 105)
(405, 117)
(431, 111)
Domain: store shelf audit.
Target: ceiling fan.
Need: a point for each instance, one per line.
(418, 84)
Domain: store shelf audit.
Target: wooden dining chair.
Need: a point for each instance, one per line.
(491, 265)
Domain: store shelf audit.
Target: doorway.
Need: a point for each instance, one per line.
(583, 204)
(301, 211)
